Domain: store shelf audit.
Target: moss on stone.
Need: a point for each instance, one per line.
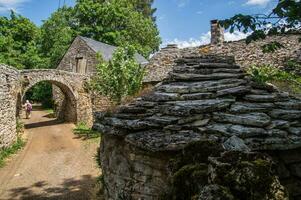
(196, 152)
(188, 181)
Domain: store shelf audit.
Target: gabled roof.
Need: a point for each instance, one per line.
(107, 50)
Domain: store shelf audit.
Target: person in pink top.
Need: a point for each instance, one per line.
(28, 109)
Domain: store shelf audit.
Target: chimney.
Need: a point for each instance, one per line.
(217, 32)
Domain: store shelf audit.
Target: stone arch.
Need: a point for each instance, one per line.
(68, 111)
(77, 106)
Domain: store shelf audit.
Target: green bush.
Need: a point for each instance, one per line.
(41, 92)
(120, 77)
(265, 73)
(6, 152)
(284, 80)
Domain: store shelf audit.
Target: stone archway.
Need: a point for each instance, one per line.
(68, 110)
(77, 106)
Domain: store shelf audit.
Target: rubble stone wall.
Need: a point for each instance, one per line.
(9, 89)
(245, 55)
(78, 49)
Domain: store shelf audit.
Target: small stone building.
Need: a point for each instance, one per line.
(206, 132)
(82, 57)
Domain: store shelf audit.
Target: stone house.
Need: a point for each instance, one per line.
(81, 57)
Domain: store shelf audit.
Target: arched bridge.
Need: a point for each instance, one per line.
(76, 104)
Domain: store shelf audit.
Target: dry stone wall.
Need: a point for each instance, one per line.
(245, 55)
(14, 84)
(205, 99)
(9, 89)
(77, 105)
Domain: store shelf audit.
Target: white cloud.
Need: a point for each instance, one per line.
(182, 3)
(6, 5)
(205, 39)
(257, 2)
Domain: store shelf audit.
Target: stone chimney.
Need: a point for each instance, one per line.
(217, 32)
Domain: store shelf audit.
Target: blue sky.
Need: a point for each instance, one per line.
(185, 22)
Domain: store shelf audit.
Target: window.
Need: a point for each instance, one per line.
(81, 65)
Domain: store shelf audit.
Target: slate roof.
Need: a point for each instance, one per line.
(107, 50)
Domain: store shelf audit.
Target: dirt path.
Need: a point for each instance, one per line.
(55, 164)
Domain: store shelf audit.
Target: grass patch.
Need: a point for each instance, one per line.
(50, 111)
(83, 131)
(6, 152)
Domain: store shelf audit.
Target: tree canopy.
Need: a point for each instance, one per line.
(284, 18)
(19, 42)
(117, 22)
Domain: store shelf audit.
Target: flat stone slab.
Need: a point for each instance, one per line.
(197, 77)
(234, 91)
(247, 132)
(250, 119)
(155, 140)
(244, 107)
(285, 114)
(263, 98)
(197, 106)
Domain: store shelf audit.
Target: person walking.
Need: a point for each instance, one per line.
(28, 109)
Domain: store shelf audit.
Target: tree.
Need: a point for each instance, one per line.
(120, 77)
(285, 18)
(19, 42)
(145, 7)
(142, 6)
(57, 33)
(118, 23)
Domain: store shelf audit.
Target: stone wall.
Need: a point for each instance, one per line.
(251, 54)
(14, 84)
(78, 49)
(9, 89)
(207, 102)
(77, 105)
(131, 173)
(245, 55)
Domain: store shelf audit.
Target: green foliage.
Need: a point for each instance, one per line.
(19, 46)
(118, 23)
(82, 130)
(121, 76)
(41, 92)
(6, 152)
(263, 74)
(57, 33)
(284, 18)
(271, 47)
(19, 126)
(287, 81)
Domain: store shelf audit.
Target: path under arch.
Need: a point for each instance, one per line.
(54, 164)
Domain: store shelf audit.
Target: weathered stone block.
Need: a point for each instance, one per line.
(251, 119)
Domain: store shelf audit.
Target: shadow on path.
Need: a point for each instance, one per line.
(43, 124)
(70, 189)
